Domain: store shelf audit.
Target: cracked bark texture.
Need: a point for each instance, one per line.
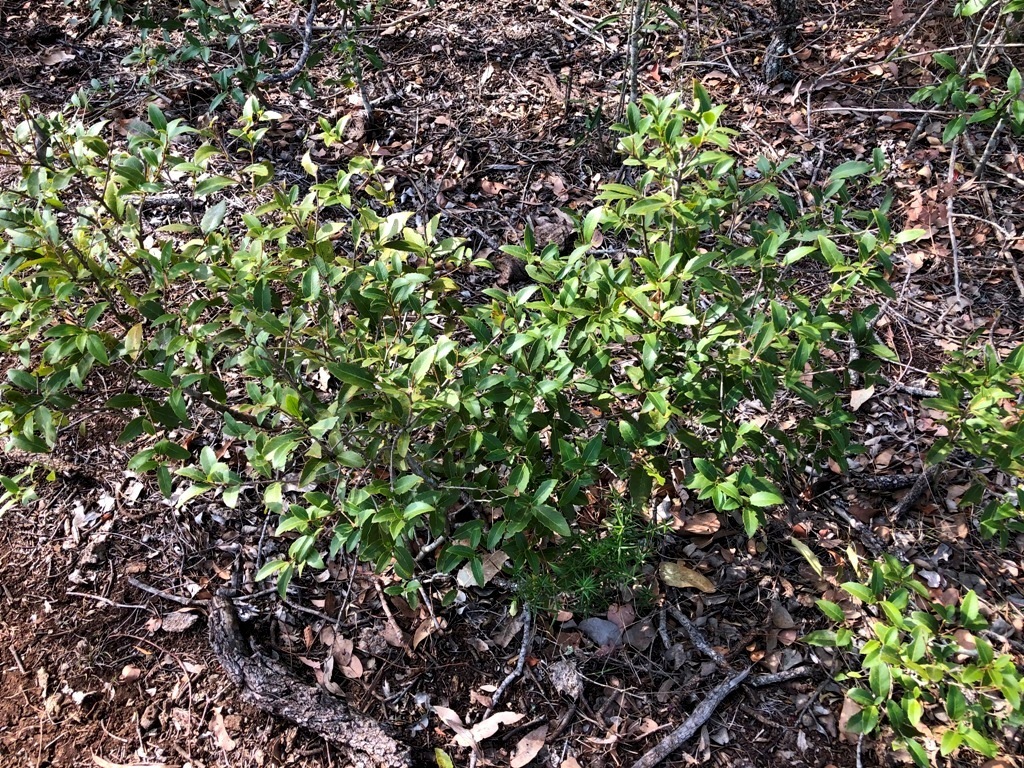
(774, 66)
(271, 687)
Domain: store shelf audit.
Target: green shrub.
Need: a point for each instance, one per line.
(409, 413)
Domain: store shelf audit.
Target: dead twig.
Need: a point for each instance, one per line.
(700, 715)
(165, 595)
(774, 678)
(950, 220)
(910, 389)
(520, 662)
(662, 631)
(307, 38)
(697, 638)
(979, 168)
(108, 601)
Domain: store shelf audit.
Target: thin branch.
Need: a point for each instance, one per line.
(165, 595)
(700, 715)
(307, 37)
(774, 678)
(520, 662)
(979, 169)
(662, 631)
(910, 389)
(697, 638)
(950, 221)
(17, 660)
(108, 601)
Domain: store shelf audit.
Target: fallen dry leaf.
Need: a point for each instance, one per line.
(426, 628)
(130, 673)
(468, 737)
(224, 740)
(103, 763)
(528, 747)
(491, 563)
(705, 523)
(353, 670)
(57, 57)
(678, 575)
(605, 633)
(323, 675)
(394, 636)
(850, 708)
(860, 396)
(492, 188)
(965, 639)
(487, 728)
(504, 636)
(641, 634)
(621, 615)
(781, 617)
(788, 636)
(341, 650)
(178, 621)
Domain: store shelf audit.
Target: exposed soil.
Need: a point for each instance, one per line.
(496, 116)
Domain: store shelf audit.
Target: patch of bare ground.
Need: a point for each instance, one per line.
(496, 116)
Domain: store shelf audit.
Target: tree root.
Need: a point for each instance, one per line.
(271, 687)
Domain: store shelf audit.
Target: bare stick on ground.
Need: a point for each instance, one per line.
(307, 39)
(697, 638)
(520, 662)
(693, 723)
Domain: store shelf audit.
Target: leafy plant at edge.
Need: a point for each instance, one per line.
(926, 670)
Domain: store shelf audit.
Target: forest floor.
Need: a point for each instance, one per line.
(494, 117)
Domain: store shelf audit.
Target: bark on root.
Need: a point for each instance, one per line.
(271, 687)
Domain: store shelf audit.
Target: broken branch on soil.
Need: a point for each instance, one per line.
(165, 595)
(108, 601)
(697, 638)
(774, 678)
(700, 715)
(520, 662)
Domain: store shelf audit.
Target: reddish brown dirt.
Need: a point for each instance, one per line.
(494, 119)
